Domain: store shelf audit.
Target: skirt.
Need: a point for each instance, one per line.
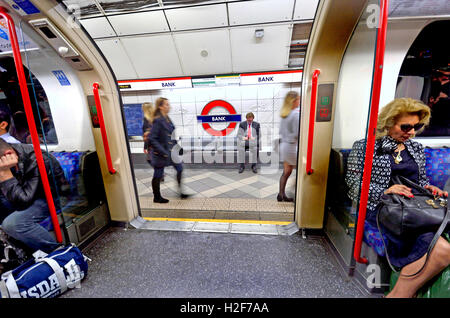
(288, 153)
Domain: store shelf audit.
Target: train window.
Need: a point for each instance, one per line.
(424, 75)
(12, 98)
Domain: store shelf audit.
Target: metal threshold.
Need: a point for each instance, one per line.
(215, 226)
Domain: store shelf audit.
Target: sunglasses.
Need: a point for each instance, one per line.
(408, 127)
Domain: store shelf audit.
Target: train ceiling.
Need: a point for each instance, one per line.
(171, 38)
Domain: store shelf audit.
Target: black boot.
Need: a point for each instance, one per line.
(157, 198)
(182, 195)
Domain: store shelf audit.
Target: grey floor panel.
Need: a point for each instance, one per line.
(217, 227)
(158, 264)
(243, 228)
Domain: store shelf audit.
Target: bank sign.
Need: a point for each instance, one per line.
(208, 121)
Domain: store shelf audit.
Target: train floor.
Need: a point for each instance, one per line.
(140, 263)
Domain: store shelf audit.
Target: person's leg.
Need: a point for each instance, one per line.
(179, 168)
(24, 226)
(253, 155)
(287, 170)
(5, 208)
(156, 185)
(407, 287)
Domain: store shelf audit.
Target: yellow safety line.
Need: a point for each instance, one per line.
(218, 221)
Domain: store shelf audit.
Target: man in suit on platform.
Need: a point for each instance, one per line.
(248, 138)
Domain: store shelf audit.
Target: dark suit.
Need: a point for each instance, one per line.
(252, 145)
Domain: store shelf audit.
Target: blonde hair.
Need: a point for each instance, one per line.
(158, 103)
(148, 110)
(399, 107)
(287, 104)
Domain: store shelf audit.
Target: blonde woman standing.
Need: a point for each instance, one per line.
(148, 111)
(289, 129)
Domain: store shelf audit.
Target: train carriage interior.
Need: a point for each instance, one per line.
(90, 66)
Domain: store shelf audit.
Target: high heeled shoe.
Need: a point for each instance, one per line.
(284, 198)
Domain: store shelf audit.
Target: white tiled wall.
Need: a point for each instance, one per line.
(264, 101)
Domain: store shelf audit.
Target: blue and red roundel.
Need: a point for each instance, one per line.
(232, 117)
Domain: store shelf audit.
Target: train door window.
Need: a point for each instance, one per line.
(425, 76)
(208, 107)
(11, 99)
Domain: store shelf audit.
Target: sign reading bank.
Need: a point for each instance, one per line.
(208, 120)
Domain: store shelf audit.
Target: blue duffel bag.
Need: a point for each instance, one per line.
(46, 275)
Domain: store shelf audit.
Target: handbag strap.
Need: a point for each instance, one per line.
(430, 247)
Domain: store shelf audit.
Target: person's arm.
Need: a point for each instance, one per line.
(20, 195)
(241, 133)
(155, 133)
(353, 178)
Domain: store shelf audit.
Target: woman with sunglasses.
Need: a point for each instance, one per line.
(396, 154)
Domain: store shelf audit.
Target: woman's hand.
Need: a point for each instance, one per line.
(436, 191)
(400, 189)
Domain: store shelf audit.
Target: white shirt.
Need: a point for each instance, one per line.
(9, 139)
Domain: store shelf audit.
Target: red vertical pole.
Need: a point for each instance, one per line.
(373, 117)
(98, 105)
(31, 123)
(312, 120)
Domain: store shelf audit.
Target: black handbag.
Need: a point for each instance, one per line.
(405, 216)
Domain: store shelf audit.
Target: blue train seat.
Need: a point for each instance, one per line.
(71, 164)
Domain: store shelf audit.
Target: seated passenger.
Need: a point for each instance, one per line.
(248, 138)
(5, 124)
(19, 128)
(396, 154)
(22, 201)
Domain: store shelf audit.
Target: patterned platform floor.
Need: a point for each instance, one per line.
(218, 191)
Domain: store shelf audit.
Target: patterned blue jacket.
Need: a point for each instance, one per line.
(381, 167)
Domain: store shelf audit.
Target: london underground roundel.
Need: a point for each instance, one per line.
(232, 118)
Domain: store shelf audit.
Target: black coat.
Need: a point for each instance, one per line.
(26, 186)
(161, 141)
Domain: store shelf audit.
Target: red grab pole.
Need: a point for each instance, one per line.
(312, 115)
(98, 105)
(30, 119)
(373, 117)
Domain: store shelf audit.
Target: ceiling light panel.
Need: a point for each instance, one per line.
(269, 53)
(153, 56)
(98, 27)
(117, 57)
(199, 17)
(138, 23)
(204, 52)
(263, 11)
